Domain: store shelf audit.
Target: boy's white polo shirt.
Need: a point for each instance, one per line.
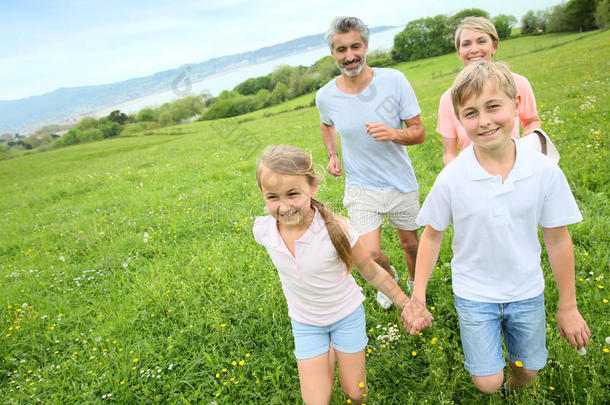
(317, 289)
(496, 248)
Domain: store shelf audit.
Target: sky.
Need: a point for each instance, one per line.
(48, 44)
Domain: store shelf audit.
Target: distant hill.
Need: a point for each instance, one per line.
(26, 114)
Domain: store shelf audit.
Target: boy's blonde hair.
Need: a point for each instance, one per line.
(472, 79)
(290, 160)
(480, 24)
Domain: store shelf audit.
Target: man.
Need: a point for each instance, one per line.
(370, 108)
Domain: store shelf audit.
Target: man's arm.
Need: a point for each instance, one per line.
(331, 141)
(561, 256)
(413, 134)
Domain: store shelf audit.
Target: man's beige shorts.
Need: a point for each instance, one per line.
(366, 208)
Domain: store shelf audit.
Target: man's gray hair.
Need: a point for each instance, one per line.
(342, 25)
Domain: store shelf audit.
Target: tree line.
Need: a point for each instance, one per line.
(433, 36)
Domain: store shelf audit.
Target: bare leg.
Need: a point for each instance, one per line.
(409, 241)
(488, 384)
(352, 375)
(519, 378)
(316, 379)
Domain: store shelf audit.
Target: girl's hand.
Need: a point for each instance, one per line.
(416, 316)
(573, 327)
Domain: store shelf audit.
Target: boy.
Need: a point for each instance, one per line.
(496, 193)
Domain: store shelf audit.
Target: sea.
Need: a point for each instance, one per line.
(182, 86)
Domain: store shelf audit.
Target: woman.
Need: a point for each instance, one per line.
(476, 39)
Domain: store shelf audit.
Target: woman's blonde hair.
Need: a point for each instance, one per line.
(480, 24)
(472, 79)
(290, 160)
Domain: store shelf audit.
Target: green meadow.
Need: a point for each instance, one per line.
(129, 274)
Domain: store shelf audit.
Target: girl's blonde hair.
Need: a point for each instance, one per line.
(290, 160)
(472, 79)
(479, 24)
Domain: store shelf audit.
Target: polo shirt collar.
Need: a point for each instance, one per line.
(274, 239)
(317, 224)
(520, 170)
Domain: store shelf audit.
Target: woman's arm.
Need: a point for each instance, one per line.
(530, 124)
(450, 149)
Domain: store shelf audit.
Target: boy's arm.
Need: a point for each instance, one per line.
(376, 276)
(561, 256)
(415, 316)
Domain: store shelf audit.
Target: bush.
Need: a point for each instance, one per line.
(148, 114)
(504, 24)
(602, 13)
(423, 38)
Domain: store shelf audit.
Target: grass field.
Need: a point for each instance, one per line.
(129, 273)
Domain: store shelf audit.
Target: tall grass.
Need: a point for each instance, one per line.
(129, 273)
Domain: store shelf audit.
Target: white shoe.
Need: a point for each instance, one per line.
(382, 299)
(410, 284)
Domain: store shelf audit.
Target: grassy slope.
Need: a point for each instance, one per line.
(128, 266)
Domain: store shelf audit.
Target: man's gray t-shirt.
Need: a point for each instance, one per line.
(390, 99)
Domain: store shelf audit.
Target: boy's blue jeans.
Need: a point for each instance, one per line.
(483, 325)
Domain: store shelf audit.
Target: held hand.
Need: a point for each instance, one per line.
(573, 327)
(380, 132)
(415, 316)
(334, 166)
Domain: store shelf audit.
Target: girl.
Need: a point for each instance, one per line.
(313, 250)
(476, 39)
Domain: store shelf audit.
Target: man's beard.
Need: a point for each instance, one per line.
(353, 73)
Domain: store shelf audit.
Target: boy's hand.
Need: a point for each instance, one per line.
(573, 327)
(415, 316)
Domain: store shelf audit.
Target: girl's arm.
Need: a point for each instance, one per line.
(376, 276)
(415, 316)
(561, 256)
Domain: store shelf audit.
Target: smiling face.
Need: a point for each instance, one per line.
(476, 46)
(288, 197)
(349, 51)
(488, 118)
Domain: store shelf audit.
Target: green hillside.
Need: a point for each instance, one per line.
(128, 271)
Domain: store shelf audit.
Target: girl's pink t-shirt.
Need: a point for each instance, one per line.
(317, 287)
(449, 126)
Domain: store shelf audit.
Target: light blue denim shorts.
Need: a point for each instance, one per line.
(521, 324)
(348, 335)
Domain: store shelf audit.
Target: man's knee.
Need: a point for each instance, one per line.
(488, 384)
(410, 243)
